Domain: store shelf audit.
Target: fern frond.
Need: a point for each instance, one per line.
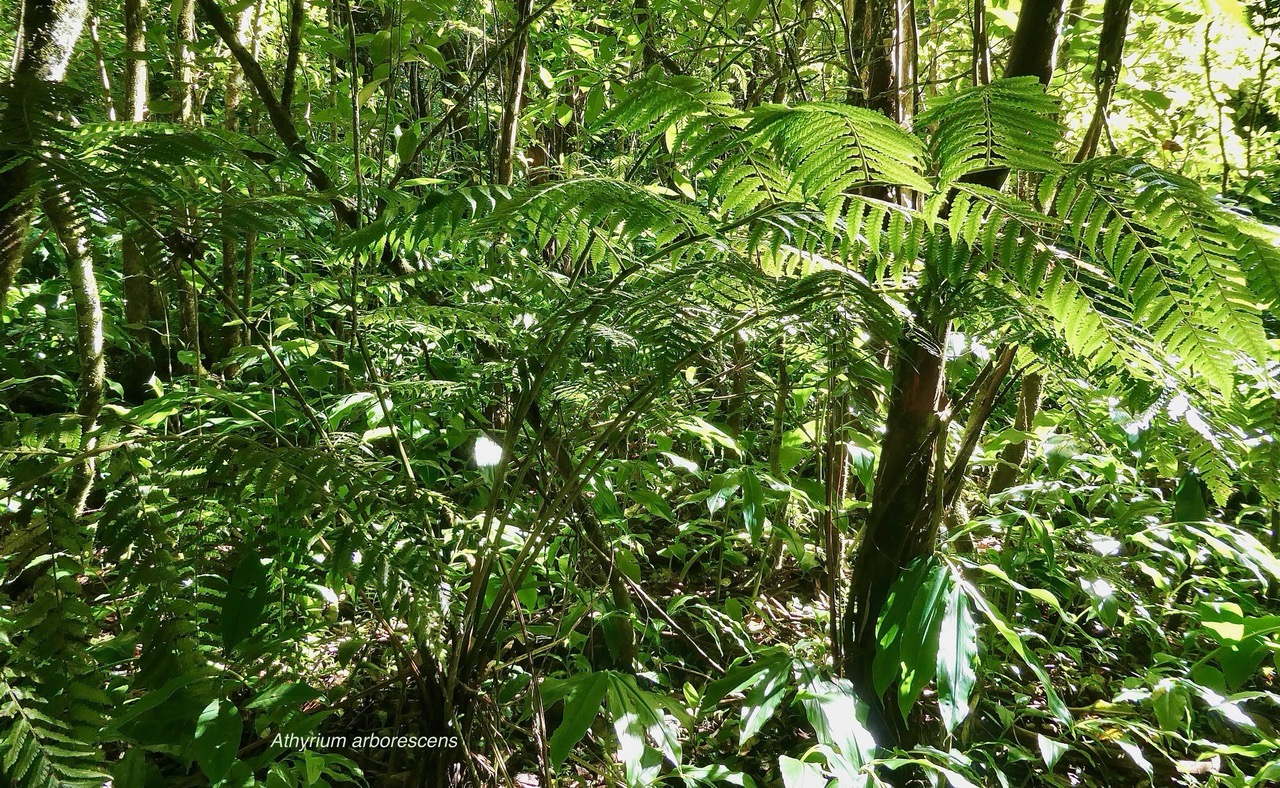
(657, 102)
(830, 150)
(1159, 236)
(1010, 123)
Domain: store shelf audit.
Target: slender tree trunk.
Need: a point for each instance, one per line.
(84, 293)
(142, 299)
(794, 52)
(136, 90)
(183, 249)
(50, 29)
(1034, 50)
(514, 99)
(183, 85)
(104, 76)
(297, 20)
(17, 40)
(987, 391)
(981, 44)
(233, 335)
(1011, 456)
(1115, 24)
(738, 396)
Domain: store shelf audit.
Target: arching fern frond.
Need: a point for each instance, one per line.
(1162, 240)
(1009, 123)
(832, 149)
(657, 102)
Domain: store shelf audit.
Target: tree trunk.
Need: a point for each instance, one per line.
(84, 293)
(140, 293)
(1115, 24)
(981, 44)
(183, 249)
(50, 29)
(183, 85)
(232, 335)
(1006, 472)
(104, 76)
(514, 99)
(297, 20)
(896, 532)
(136, 90)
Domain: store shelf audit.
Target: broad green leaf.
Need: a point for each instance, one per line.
(580, 710)
(893, 619)
(709, 433)
(918, 652)
(801, 774)
(839, 718)
(742, 674)
(1188, 501)
(595, 105)
(764, 698)
(1050, 750)
(653, 503)
(1170, 699)
(640, 718)
(1135, 753)
(217, 738)
(957, 653)
(752, 504)
(723, 486)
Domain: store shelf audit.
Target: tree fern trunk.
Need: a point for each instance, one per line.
(50, 29)
(897, 528)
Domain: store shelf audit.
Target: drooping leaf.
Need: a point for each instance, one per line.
(752, 504)
(801, 774)
(918, 652)
(580, 709)
(1188, 501)
(764, 698)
